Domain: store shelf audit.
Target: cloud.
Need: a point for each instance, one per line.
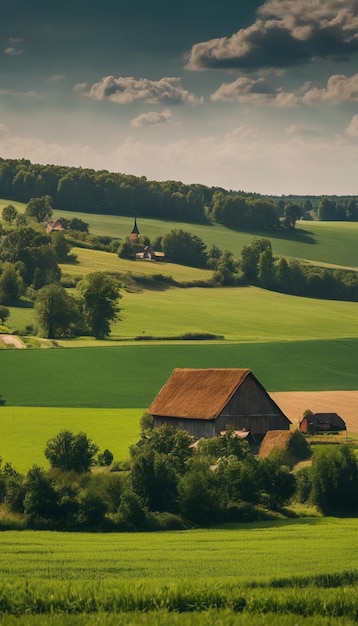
(339, 88)
(250, 158)
(152, 118)
(13, 49)
(247, 90)
(126, 90)
(352, 128)
(285, 33)
(13, 52)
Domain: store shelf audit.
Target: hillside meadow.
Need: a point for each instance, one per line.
(327, 242)
(245, 314)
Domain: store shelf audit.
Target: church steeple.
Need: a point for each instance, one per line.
(134, 236)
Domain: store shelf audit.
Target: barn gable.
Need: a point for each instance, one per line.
(207, 401)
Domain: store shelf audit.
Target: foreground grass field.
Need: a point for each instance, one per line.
(267, 569)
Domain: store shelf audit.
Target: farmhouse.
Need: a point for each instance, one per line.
(57, 225)
(321, 423)
(207, 401)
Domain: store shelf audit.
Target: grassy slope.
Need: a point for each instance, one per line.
(328, 242)
(239, 314)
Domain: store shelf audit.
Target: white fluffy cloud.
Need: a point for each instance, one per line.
(285, 33)
(126, 89)
(249, 158)
(152, 118)
(254, 91)
(352, 128)
(339, 88)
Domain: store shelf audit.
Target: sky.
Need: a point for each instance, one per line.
(251, 95)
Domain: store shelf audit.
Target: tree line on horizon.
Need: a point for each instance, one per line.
(90, 191)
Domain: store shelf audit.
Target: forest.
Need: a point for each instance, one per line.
(110, 193)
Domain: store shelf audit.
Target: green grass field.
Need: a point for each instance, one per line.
(269, 569)
(25, 431)
(246, 314)
(130, 376)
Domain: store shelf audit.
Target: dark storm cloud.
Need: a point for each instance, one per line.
(285, 33)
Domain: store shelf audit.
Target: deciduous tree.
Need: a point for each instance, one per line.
(100, 295)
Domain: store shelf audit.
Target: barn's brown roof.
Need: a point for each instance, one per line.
(197, 393)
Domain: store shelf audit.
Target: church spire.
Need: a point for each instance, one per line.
(134, 236)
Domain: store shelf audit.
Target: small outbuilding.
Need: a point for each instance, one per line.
(313, 423)
(205, 402)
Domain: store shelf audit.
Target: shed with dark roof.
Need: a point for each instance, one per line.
(207, 401)
(321, 423)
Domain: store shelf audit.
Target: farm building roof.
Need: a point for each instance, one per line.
(197, 393)
(329, 420)
(273, 440)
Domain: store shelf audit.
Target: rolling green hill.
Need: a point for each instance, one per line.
(327, 242)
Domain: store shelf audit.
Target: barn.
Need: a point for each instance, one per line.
(321, 423)
(205, 402)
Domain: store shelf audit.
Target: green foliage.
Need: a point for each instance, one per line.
(4, 314)
(9, 213)
(40, 209)
(100, 296)
(292, 213)
(335, 481)
(78, 224)
(278, 484)
(11, 284)
(56, 311)
(40, 501)
(200, 499)
(71, 452)
(250, 257)
(183, 247)
(105, 458)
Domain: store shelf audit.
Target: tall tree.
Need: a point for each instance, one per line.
(57, 312)
(100, 295)
(292, 213)
(71, 452)
(9, 213)
(39, 209)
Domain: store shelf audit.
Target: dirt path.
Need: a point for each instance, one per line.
(12, 341)
(294, 403)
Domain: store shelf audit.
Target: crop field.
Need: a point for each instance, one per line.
(280, 568)
(130, 376)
